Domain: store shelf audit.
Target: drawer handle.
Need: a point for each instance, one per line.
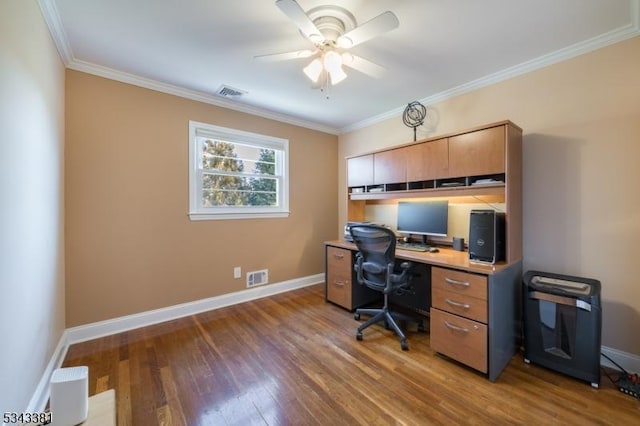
(340, 283)
(456, 282)
(458, 304)
(338, 255)
(455, 327)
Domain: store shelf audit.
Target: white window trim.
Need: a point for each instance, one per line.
(196, 211)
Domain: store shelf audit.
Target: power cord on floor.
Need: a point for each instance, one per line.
(627, 383)
(615, 382)
(614, 363)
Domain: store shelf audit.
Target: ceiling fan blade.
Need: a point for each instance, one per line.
(285, 56)
(363, 65)
(382, 23)
(293, 10)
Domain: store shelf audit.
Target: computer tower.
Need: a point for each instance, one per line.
(486, 236)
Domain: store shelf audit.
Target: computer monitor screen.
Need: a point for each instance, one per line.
(423, 218)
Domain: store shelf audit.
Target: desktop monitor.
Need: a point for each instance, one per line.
(427, 218)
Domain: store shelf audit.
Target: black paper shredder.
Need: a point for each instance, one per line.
(562, 319)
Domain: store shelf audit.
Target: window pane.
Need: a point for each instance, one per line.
(221, 190)
(218, 155)
(264, 199)
(213, 181)
(266, 163)
(221, 197)
(264, 192)
(257, 161)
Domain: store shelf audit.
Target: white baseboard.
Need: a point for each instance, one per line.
(41, 395)
(630, 362)
(130, 322)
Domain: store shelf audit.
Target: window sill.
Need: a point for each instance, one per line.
(232, 216)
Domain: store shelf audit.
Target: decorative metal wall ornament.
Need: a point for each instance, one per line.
(414, 115)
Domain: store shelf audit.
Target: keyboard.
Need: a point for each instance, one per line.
(412, 247)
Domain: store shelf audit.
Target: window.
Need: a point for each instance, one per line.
(236, 175)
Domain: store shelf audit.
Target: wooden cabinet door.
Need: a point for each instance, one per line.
(390, 166)
(428, 160)
(477, 153)
(360, 170)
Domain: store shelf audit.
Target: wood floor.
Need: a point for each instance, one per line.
(292, 359)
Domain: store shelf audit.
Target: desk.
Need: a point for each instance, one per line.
(474, 309)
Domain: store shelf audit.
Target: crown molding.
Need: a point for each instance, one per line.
(195, 95)
(598, 42)
(52, 19)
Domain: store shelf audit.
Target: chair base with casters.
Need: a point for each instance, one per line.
(375, 267)
(390, 320)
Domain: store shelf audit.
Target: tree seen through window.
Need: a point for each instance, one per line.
(237, 175)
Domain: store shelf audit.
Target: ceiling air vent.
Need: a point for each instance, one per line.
(230, 92)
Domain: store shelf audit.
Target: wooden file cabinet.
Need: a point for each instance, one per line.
(459, 316)
(341, 285)
(339, 277)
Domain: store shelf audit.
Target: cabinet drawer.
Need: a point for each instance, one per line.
(339, 289)
(339, 275)
(339, 260)
(459, 338)
(459, 304)
(458, 282)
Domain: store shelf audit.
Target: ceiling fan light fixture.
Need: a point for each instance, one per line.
(337, 75)
(329, 28)
(332, 61)
(313, 70)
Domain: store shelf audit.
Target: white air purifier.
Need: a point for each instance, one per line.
(69, 399)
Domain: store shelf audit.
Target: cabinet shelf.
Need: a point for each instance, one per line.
(489, 189)
(446, 187)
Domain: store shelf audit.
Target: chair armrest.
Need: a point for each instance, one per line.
(404, 275)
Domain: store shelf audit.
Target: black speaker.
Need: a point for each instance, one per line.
(458, 243)
(486, 236)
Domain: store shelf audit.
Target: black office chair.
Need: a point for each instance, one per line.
(375, 268)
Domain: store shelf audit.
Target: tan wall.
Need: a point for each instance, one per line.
(130, 244)
(581, 121)
(31, 203)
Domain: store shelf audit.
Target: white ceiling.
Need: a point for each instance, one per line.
(441, 48)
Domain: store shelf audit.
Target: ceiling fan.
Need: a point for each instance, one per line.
(332, 30)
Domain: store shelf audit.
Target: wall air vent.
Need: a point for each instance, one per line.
(230, 92)
(256, 278)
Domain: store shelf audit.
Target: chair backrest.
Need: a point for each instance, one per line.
(376, 257)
